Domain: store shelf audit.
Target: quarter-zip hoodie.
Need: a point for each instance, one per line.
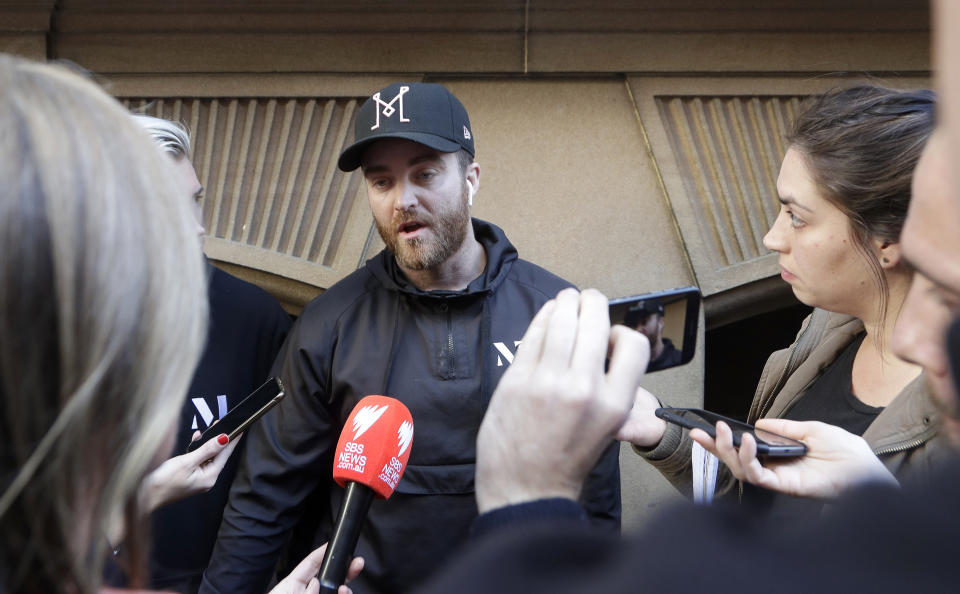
(441, 353)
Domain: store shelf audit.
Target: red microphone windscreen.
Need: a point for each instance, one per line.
(374, 445)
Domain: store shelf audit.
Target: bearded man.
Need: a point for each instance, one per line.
(432, 320)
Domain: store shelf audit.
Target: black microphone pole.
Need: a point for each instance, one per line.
(346, 533)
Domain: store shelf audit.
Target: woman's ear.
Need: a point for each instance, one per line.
(888, 253)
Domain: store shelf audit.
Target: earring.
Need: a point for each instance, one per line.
(885, 260)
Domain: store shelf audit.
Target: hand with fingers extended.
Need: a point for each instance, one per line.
(303, 578)
(555, 410)
(836, 460)
(187, 474)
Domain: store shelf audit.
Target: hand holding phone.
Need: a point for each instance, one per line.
(767, 443)
(185, 475)
(244, 414)
(836, 460)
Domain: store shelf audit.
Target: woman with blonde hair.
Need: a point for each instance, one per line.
(102, 320)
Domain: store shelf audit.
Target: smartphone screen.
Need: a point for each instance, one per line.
(242, 415)
(768, 444)
(667, 318)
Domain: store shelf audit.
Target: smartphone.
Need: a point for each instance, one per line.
(244, 414)
(768, 444)
(667, 318)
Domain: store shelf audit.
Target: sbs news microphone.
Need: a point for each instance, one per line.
(371, 456)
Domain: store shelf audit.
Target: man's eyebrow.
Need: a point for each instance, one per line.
(374, 169)
(936, 285)
(916, 267)
(791, 201)
(426, 157)
(911, 265)
(431, 156)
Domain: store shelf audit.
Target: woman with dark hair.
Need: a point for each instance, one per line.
(102, 321)
(844, 189)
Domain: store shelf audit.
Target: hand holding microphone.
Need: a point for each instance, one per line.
(303, 578)
(371, 456)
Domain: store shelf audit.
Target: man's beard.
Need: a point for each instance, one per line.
(449, 229)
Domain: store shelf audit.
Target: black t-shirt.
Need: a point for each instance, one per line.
(831, 400)
(247, 328)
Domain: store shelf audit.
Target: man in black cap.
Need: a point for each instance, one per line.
(646, 317)
(434, 321)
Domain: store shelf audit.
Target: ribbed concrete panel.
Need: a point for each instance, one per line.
(271, 184)
(728, 151)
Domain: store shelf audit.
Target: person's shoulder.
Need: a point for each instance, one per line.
(821, 323)
(537, 278)
(341, 296)
(226, 290)
(223, 281)
(671, 349)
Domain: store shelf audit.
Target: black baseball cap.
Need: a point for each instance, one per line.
(640, 310)
(649, 307)
(422, 112)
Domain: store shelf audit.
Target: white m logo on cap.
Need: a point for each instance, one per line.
(388, 108)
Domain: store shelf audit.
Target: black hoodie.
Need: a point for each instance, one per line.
(442, 354)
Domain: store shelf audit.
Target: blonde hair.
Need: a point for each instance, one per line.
(102, 319)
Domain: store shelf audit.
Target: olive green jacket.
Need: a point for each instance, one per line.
(904, 435)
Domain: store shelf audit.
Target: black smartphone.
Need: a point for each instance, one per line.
(768, 444)
(244, 414)
(667, 318)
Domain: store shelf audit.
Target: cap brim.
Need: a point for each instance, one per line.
(351, 156)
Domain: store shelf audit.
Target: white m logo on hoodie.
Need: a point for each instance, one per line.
(504, 352)
(205, 413)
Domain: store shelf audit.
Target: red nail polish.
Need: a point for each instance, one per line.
(223, 439)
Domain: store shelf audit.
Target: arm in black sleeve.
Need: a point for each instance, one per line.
(530, 513)
(282, 464)
(273, 335)
(601, 491)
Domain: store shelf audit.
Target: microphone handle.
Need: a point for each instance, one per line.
(346, 533)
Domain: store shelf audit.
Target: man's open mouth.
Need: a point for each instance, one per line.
(411, 227)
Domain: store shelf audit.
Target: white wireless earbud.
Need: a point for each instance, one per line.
(469, 193)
